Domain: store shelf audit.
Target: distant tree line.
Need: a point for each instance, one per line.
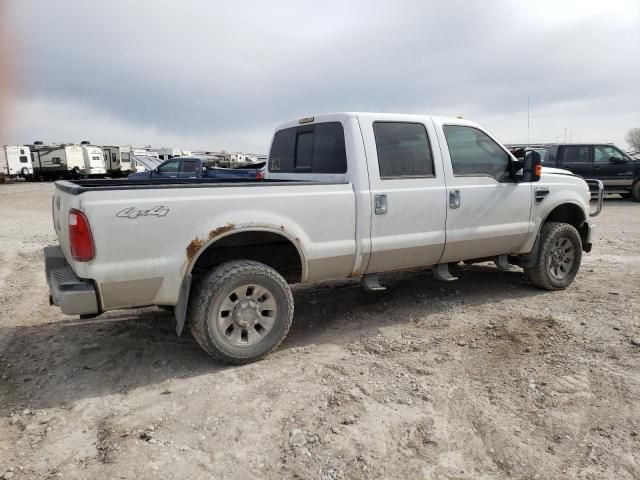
(633, 139)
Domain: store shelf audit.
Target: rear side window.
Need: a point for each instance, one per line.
(403, 150)
(189, 166)
(317, 148)
(474, 153)
(576, 155)
(24, 159)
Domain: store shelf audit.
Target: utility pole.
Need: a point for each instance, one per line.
(565, 135)
(570, 137)
(528, 119)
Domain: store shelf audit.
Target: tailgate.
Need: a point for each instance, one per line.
(60, 206)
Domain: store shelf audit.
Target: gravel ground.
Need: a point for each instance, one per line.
(485, 377)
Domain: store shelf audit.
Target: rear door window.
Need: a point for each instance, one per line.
(317, 148)
(189, 166)
(576, 155)
(403, 150)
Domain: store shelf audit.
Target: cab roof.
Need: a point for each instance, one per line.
(391, 117)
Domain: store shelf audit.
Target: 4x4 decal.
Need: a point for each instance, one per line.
(133, 212)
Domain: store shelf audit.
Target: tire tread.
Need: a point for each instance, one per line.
(538, 274)
(209, 285)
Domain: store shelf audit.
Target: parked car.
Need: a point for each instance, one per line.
(345, 195)
(618, 171)
(194, 167)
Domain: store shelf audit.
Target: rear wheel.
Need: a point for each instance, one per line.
(241, 311)
(559, 257)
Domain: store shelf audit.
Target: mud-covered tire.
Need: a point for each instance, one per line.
(213, 296)
(635, 191)
(557, 241)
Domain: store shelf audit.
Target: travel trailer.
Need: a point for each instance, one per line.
(15, 161)
(94, 163)
(117, 159)
(142, 152)
(52, 162)
(167, 153)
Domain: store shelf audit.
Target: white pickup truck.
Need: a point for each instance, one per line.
(344, 195)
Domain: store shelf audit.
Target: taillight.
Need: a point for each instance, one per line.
(260, 175)
(80, 238)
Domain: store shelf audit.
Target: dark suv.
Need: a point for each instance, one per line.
(618, 171)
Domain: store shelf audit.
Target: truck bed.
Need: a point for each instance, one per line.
(77, 187)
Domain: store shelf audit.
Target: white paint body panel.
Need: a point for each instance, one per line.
(332, 225)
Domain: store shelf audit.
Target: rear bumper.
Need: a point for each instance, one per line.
(72, 294)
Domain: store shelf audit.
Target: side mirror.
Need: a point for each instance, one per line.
(532, 167)
(618, 160)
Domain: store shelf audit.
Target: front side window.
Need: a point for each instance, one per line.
(576, 154)
(317, 148)
(189, 166)
(604, 153)
(114, 157)
(474, 153)
(403, 150)
(169, 167)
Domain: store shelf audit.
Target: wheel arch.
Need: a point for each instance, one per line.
(273, 246)
(570, 212)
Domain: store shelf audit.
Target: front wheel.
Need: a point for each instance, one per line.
(559, 257)
(241, 311)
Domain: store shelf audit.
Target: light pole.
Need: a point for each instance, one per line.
(528, 118)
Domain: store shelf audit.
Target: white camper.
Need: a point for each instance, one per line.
(141, 152)
(93, 160)
(167, 153)
(57, 161)
(117, 159)
(15, 161)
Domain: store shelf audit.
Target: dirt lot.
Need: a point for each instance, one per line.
(485, 377)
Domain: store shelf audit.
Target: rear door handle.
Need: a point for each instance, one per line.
(454, 199)
(380, 204)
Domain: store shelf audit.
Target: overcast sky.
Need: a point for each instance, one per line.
(222, 75)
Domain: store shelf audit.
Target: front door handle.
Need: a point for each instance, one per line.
(454, 199)
(381, 204)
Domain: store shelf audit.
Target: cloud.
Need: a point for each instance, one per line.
(227, 73)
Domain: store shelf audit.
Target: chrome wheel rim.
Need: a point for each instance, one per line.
(247, 314)
(561, 258)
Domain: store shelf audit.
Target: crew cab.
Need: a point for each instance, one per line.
(345, 195)
(194, 167)
(618, 171)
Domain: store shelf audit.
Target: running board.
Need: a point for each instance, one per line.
(442, 273)
(371, 283)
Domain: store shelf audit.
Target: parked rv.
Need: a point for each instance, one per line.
(15, 161)
(94, 163)
(146, 153)
(52, 162)
(167, 153)
(117, 160)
